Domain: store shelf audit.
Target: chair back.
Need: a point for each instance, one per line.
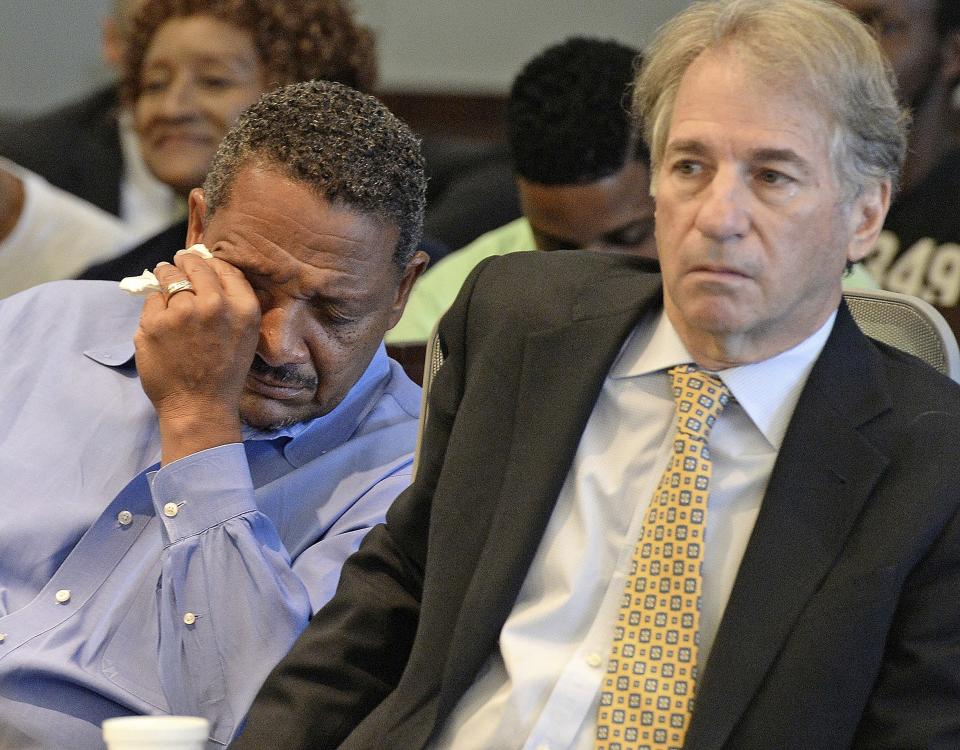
(907, 323)
(433, 358)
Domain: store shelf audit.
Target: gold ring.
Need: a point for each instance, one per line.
(183, 285)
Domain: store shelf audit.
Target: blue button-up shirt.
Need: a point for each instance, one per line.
(125, 589)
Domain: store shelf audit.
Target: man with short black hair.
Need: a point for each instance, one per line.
(183, 477)
(581, 168)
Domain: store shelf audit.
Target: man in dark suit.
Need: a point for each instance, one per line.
(538, 584)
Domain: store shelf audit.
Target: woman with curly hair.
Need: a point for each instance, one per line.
(192, 66)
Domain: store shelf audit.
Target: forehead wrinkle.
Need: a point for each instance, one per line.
(267, 215)
(344, 275)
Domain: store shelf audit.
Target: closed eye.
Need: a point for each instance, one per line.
(216, 82)
(331, 313)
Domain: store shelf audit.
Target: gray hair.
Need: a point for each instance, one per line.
(346, 146)
(815, 43)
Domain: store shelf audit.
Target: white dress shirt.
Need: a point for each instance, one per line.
(147, 206)
(56, 236)
(539, 690)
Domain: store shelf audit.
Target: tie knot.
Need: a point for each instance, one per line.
(699, 397)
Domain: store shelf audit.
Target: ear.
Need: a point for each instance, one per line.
(867, 215)
(111, 43)
(196, 211)
(417, 265)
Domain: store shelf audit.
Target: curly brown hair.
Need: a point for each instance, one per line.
(296, 40)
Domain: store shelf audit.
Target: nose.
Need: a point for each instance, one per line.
(281, 338)
(178, 99)
(724, 212)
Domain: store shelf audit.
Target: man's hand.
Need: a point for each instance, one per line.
(194, 349)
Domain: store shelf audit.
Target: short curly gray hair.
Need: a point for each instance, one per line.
(345, 145)
(815, 43)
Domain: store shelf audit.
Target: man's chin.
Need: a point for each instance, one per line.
(270, 426)
(269, 416)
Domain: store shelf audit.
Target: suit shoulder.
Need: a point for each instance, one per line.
(915, 381)
(539, 290)
(530, 274)
(566, 264)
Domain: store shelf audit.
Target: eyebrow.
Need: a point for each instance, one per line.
(764, 154)
(787, 155)
(203, 58)
(687, 146)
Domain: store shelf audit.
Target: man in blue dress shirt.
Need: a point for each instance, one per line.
(181, 479)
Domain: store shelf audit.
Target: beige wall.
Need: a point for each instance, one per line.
(49, 49)
(478, 45)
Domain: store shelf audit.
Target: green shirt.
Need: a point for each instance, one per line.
(435, 291)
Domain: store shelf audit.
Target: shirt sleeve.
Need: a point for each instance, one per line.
(230, 601)
(56, 236)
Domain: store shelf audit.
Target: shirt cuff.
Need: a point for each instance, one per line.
(202, 490)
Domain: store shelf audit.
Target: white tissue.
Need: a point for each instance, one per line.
(146, 283)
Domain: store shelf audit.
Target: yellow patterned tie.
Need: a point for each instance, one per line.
(647, 694)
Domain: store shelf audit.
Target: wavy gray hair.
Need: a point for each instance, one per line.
(816, 44)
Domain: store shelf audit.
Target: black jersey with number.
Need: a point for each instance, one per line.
(919, 250)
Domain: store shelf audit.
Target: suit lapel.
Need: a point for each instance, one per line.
(561, 373)
(824, 473)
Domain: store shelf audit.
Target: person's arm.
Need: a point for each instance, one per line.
(916, 700)
(47, 234)
(193, 352)
(229, 601)
(11, 202)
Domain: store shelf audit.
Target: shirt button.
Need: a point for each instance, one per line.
(594, 659)
(543, 746)
(3, 637)
(189, 618)
(170, 510)
(62, 596)
(125, 517)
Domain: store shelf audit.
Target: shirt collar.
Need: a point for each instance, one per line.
(111, 343)
(317, 436)
(767, 390)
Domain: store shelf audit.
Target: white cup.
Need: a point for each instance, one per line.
(156, 733)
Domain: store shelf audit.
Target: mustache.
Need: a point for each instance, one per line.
(284, 375)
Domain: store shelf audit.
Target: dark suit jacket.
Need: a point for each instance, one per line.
(76, 147)
(843, 626)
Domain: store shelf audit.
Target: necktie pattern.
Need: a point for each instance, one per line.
(647, 694)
